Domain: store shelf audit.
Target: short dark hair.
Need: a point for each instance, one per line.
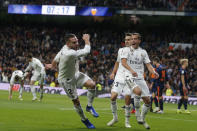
(68, 36)
(30, 55)
(139, 35)
(156, 59)
(128, 34)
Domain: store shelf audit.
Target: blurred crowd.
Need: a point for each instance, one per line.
(44, 42)
(178, 5)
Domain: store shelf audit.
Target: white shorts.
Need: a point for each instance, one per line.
(121, 88)
(70, 85)
(37, 76)
(143, 86)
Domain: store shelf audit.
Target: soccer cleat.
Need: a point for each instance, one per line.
(160, 112)
(92, 111)
(187, 112)
(123, 107)
(88, 124)
(146, 125)
(34, 98)
(112, 122)
(127, 125)
(156, 110)
(139, 120)
(178, 111)
(20, 98)
(133, 111)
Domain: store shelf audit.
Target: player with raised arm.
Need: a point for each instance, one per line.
(91, 91)
(17, 76)
(133, 59)
(38, 74)
(69, 76)
(120, 87)
(160, 82)
(183, 86)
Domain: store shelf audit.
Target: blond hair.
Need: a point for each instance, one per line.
(183, 60)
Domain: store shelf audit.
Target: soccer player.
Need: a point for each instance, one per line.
(39, 74)
(160, 82)
(69, 76)
(120, 87)
(91, 91)
(133, 59)
(153, 88)
(183, 86)
(17, 76)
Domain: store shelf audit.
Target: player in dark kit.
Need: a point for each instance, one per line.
(153, 88)
(160, 82)
(183, 86)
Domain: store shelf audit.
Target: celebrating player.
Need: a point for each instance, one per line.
(183, 86)
(38, 71)
(69, 76)
(133, 59)
(120, 87)
(17, 76)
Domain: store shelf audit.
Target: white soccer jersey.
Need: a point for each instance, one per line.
(68, 61)
(17, 73)
(136, 58)
(120, 72)
(36, 65)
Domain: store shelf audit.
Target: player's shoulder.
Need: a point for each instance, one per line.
(142, 50)
(125, 49)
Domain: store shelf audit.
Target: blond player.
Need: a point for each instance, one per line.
(133, 59)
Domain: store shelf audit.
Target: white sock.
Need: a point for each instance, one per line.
(33, 90)
(79, 110)
(90, 95)
(127, 113)
(145, 109)
(114, 109)
(137, 105)
(20, 91)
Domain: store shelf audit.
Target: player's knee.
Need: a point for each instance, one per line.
(146, 100)
(137, 91)
(113, 96)
(76, 102)
(90, 84)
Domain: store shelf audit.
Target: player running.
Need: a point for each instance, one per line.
(17, 76)
(69, 76)
(38, 71)
(120, 87)
(183, 86)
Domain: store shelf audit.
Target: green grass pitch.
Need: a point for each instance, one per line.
(56, 113)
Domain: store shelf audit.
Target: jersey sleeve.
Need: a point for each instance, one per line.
(28, 68)
(146, 57)
(124, 53)
(83, 52)
(57, 57)
(118, 57)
